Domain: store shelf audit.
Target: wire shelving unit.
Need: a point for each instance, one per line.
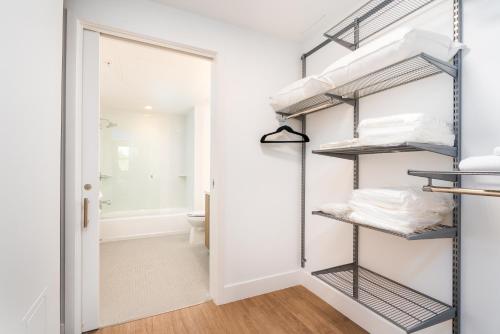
(406, 308)
(351, 153)
(438, 231)
(371, 18)
(401, 73)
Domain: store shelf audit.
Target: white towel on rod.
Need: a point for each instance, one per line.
(496, 150)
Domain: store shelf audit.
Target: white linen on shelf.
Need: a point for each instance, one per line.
(398, 129)
(390, 223)
(419, 134)
(404, 210)
(404, 119)
(403, 198)
(341, 143)
(298, 91)
(409, 127)
(389, 49)
(337, 209)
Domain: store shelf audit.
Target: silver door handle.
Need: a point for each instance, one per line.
(85, 212)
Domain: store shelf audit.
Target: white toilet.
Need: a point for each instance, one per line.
(197, 221)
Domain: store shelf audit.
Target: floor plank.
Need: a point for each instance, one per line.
(288, 311)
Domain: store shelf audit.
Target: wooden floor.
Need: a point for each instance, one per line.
(293, 310)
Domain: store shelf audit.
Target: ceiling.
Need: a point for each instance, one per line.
(288, 19)
(136, 75)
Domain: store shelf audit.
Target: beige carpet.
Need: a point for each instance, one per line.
(145, 277)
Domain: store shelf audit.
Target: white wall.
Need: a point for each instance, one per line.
(257, 188)
(481, 116)
(30, 109)
(424, 265)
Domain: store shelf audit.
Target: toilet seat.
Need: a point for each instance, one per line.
(196, 214)
(197, 221)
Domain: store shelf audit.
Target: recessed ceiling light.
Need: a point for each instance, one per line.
(148, 107)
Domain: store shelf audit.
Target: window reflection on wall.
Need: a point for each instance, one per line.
(123, 154)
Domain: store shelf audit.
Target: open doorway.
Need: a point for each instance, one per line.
(154, 178)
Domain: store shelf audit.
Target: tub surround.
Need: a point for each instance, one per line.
(143, 224)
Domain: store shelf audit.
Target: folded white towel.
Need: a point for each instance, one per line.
(481, 163)
(337, 209)
(398, 129)
(341, 143)
(376, 218)
(404, 198)
(392, 225)
(419, 136)
(496, 150)
(404, 210)
(409, 218)
(298, 91)
(396, 120)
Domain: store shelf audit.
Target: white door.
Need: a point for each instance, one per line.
(90, 180)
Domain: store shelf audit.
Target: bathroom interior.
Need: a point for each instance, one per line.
(154, 180)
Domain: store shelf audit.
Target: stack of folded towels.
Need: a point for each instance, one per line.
(489, 163)
(415, 127)
(404, 210)
(398, 129)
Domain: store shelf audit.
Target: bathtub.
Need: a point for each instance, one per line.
(123, 225)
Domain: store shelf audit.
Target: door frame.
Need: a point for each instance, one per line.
(73, 163)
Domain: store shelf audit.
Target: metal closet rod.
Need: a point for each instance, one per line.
(453, 176)
(311, 110)
(462, 191)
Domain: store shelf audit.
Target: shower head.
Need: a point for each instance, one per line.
(108, 124)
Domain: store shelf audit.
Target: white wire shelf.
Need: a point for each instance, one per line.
(403, 72)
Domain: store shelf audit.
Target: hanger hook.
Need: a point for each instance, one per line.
(281, 119)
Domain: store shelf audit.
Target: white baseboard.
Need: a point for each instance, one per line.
(259, 286)
(359, 314)
(141, 236)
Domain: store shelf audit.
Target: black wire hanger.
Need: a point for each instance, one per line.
(282, 119)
